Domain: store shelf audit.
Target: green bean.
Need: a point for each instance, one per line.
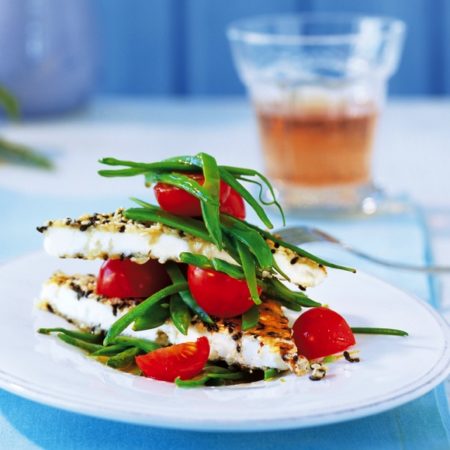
(139, 310)
(187, 161)
(269, 374)
(162, 165)
(86, 346)
(131, 172)
(192, 226)
(210, 373)
(249, 268)
(249, 237)
(210, 209)
(230, 247)
(23, 155)
(124, 358)
(110, 350)
(180, 314)
(278, 290)
(176, 276)
(299, 251)
(187, 184)
(211, 368)
(226, 376)
(197, 381)
(144, 344)
(267, 183)
(250, 318)
(86, 337)
(154, 317)
(386, 331)
(10, 103)
(196, 163)
(245, 194)
(289, 305)
(215, 264)
(144, 204)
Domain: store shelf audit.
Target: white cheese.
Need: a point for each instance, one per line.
(157, 243)
(88, 312)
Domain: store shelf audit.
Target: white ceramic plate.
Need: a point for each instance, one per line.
(392, 370)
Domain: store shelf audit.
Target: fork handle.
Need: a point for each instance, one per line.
(397, 265)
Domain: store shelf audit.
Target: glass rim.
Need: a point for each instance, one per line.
(240, 30)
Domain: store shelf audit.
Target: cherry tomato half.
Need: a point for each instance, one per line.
(234, 205)
(127, 279)
(217, 293)
(182, 360)
(321, 332)
(177, 201)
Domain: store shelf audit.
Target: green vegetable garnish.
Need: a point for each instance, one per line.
(210, 209)
(386, 331)
(249, 266)
(86, 337)
(201, 163)
(86, 346)
(139, 310)
(110, 350)
(180, 314)
(250, 318)
(270, 374)
(154, 317)
(15, 153)
(176, 276)
(124, 358)
(215, 375)
(144, 344)
(155, 214)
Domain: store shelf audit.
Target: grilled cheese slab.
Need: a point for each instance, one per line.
(113, 236)
(268, 345)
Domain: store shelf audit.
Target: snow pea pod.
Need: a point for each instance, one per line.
(176, 276)
(86, 337)
(145, 345)
(124, 358)
(154, 317)
(86, 346)
(250, 318)
(139, 310)
(154, 214)
(180, 314)
(111, 350)
(249, 268)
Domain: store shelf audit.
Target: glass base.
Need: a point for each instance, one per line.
(342, 200)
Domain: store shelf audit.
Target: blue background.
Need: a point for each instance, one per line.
(179, 48)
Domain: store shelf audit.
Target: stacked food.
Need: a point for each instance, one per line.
(189, 291)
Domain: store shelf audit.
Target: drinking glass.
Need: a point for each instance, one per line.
(318, 83)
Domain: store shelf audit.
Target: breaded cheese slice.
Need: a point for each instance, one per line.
(113, 236)
(267, 345)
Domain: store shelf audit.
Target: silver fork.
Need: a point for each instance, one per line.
(301, 235)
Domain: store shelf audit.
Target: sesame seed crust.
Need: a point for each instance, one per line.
(301, 270)
(272, 329)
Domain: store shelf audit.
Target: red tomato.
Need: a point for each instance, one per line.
(182, 360)
(177, 201)
(321, 332)
(127, 279)
(217, 293)
(234, 205)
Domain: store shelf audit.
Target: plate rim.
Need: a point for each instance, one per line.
(438, 373)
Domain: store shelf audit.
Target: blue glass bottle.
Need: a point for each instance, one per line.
(48, 53)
